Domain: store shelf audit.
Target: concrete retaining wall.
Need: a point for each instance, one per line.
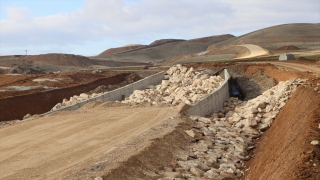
(213, 101)
(117, 94)
(208, 104)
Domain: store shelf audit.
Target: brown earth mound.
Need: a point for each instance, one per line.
(291, 47)
(119, 49)
(58, 60)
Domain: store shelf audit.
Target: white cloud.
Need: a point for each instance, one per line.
(146, 20)
(17, 14)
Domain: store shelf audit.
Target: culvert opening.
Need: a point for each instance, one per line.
(246, 86)
(235, 90)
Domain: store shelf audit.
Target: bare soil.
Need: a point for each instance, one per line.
(291, 47)
(65, 143)
(119, 141)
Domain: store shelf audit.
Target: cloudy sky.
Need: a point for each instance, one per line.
(88, 27)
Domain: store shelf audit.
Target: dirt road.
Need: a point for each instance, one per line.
(254, 51)
(299, 67)
(55, 146)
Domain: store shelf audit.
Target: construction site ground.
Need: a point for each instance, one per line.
(15, 104)
(118, 141)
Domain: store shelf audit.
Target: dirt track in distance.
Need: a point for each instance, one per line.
(299, 67)
(58, 145)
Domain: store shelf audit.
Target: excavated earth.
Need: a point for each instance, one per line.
(15, 104)
(144, 141)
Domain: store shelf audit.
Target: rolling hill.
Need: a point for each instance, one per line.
(302, 35)
(162, 50)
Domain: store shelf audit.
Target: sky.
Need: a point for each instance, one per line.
(88, 27)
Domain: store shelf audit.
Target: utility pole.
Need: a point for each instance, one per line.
(26, 52)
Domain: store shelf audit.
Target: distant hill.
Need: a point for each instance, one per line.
(165, 41)
(120, 49)
(57, 62)
(301, 35)
(59, 59)
(162, 50)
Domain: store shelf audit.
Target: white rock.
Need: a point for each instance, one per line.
(197, 172)
(84, 95)
(251, 122)
(190, 133)
(26, 116)
(315, 142)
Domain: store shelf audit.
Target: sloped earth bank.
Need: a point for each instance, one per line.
(284, 151)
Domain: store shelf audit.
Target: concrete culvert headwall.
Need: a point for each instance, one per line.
(213, 101)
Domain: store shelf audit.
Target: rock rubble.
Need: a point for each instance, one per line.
(180, 85)
(222, 142)
(74, 100)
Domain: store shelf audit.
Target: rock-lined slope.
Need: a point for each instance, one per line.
(224, 140)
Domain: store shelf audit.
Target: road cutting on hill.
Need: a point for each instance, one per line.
(255, 51)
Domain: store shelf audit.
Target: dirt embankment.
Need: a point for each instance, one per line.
(284, 151)
(16, 107)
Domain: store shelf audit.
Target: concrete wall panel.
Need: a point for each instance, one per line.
(117, 94)
(213, 101)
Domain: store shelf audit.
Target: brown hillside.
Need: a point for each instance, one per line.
(213, 39)
(58, 60)
(237, 50)
(291, 47)
(165, 41)
(119, 49)
(157, 53)
(303, 35)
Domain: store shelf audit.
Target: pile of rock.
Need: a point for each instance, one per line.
(97, 71)
(181, 85)
(222, 142)
(74, 100)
